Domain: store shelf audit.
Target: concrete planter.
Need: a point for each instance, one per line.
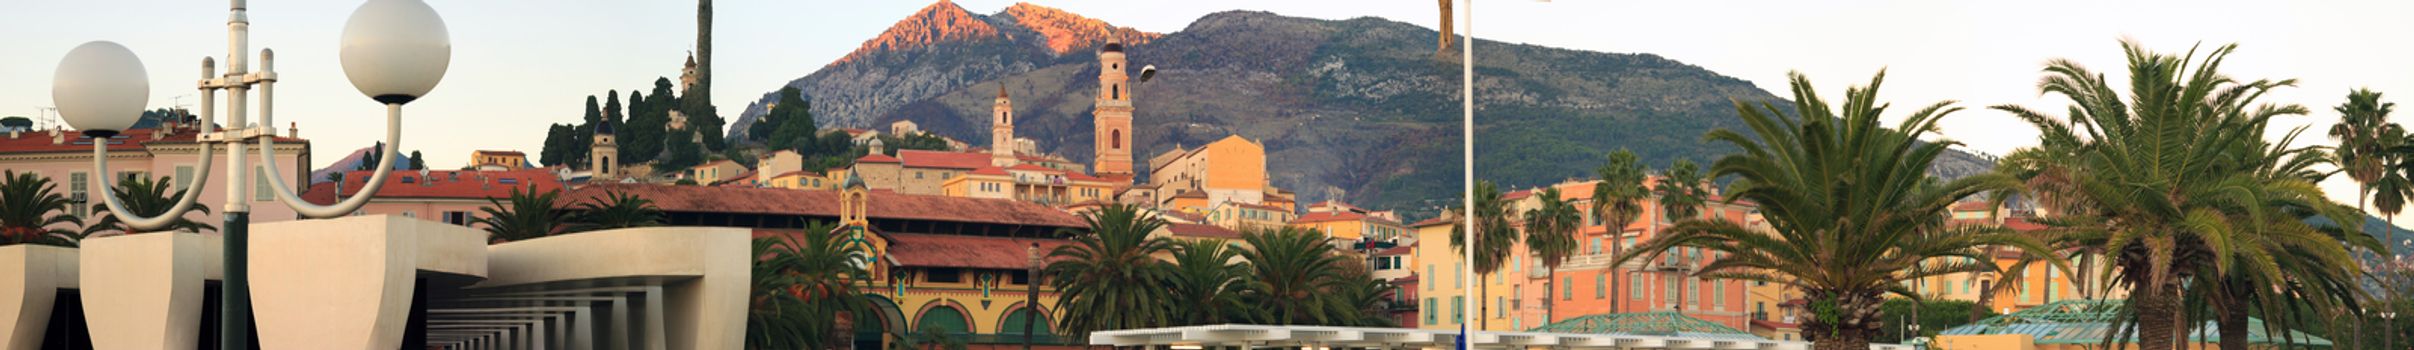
(144, 291)
(347, 283)
(30, 277)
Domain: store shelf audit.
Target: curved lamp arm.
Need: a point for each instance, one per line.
(385, 165)
(100, 164)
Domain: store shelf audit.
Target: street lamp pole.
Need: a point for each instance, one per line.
(1467, 175)
(394, 51)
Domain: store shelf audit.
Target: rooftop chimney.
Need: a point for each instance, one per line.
(293, 130)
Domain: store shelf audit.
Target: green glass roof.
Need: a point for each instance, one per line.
(2089, 322)
(1663, 323)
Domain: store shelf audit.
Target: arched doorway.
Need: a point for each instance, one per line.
(872, 333)
(943, 320)
(1010, 328)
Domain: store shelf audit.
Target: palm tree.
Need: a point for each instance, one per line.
(1618, 201)
(146, 198)
(2177, 187)
(1110, 277)
(803, 285)
(617, 210)
(29, 206)
(1849, 217)
(1208, 280)
(1358, 299)
(1494, 240)
(1294, 272)
(2362, 132)
(1681, 198)
(525, 215)
(1551, 235)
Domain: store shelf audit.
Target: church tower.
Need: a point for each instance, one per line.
(1001, 130)
(601, 153)
(1113, 114)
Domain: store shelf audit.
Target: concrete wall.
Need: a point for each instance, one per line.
(30, 279)
(144, 291)
(709, 269)
(347, 283)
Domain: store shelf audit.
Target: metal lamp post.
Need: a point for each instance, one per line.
(394, 51)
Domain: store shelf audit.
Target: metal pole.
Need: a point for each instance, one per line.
(1467, 134)
(1031, 298)
(234, 323)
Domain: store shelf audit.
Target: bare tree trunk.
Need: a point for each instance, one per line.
(1447, 34)
(1482, 291)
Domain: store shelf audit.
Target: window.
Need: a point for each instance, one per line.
(1458, 275)
(1718, 296)
(1115, 139)
(1118, 91)
(184, 177)
(1634, 286)
(944, 276)
(1567, 288)
(917, 175)
(1429, 272)
(1693, 289)
(259, 184)
(1019, 277)
(410, 214)
(1503, 310)
(1601, 286)
(1669, 293)
(1596, 245)
(79, 188)
(457, 218)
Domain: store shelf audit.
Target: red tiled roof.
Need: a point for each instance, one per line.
(989, 171)
(876, 158)
(1185, 216)
(38, 141)
(503, 153)
(1328, 216)
(884, 204)
(1202, 231)
(1118, 178)
(978, 252)
(1434, 221)
(1972, 206)
(937, 159)
(439, 184)
(1077, 176)
(794, 173)
(1519, 194)
(1029, 167)
(1192, 194)
(2022, 225)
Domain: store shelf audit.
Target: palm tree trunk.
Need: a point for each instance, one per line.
(2233, 326)
(2157, 317)
(1986, 300)
(1483, 291)
(1616, 272)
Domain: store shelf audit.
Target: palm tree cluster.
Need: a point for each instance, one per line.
(804, 286)
(531, 214)
(31, 208)
(2196, 213)
(1118, 276)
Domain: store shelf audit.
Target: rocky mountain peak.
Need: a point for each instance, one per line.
(940, 23)
(1066, 32)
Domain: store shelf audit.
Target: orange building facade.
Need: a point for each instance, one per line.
(1524, 294)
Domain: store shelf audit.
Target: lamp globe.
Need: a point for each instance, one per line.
(394, 51)
(100, 88)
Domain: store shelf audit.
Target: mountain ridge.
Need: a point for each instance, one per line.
(1357, 109)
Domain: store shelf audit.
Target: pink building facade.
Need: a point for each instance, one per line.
(65, 157)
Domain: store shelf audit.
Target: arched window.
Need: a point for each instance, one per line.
(1118, 91)
(1115, 139)
(607, 164)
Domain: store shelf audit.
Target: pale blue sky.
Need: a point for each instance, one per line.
(521, 64)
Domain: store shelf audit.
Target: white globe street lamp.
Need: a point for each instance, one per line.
(394, 51)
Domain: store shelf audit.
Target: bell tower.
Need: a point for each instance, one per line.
(1113, 114)
(599, 154)
(1001, 130)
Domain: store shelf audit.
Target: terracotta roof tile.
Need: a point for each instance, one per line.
(937, 159)
(38, 141)
(439, 184)
(990, 171)
(884, 204)
(978, 252)
(876, 158)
